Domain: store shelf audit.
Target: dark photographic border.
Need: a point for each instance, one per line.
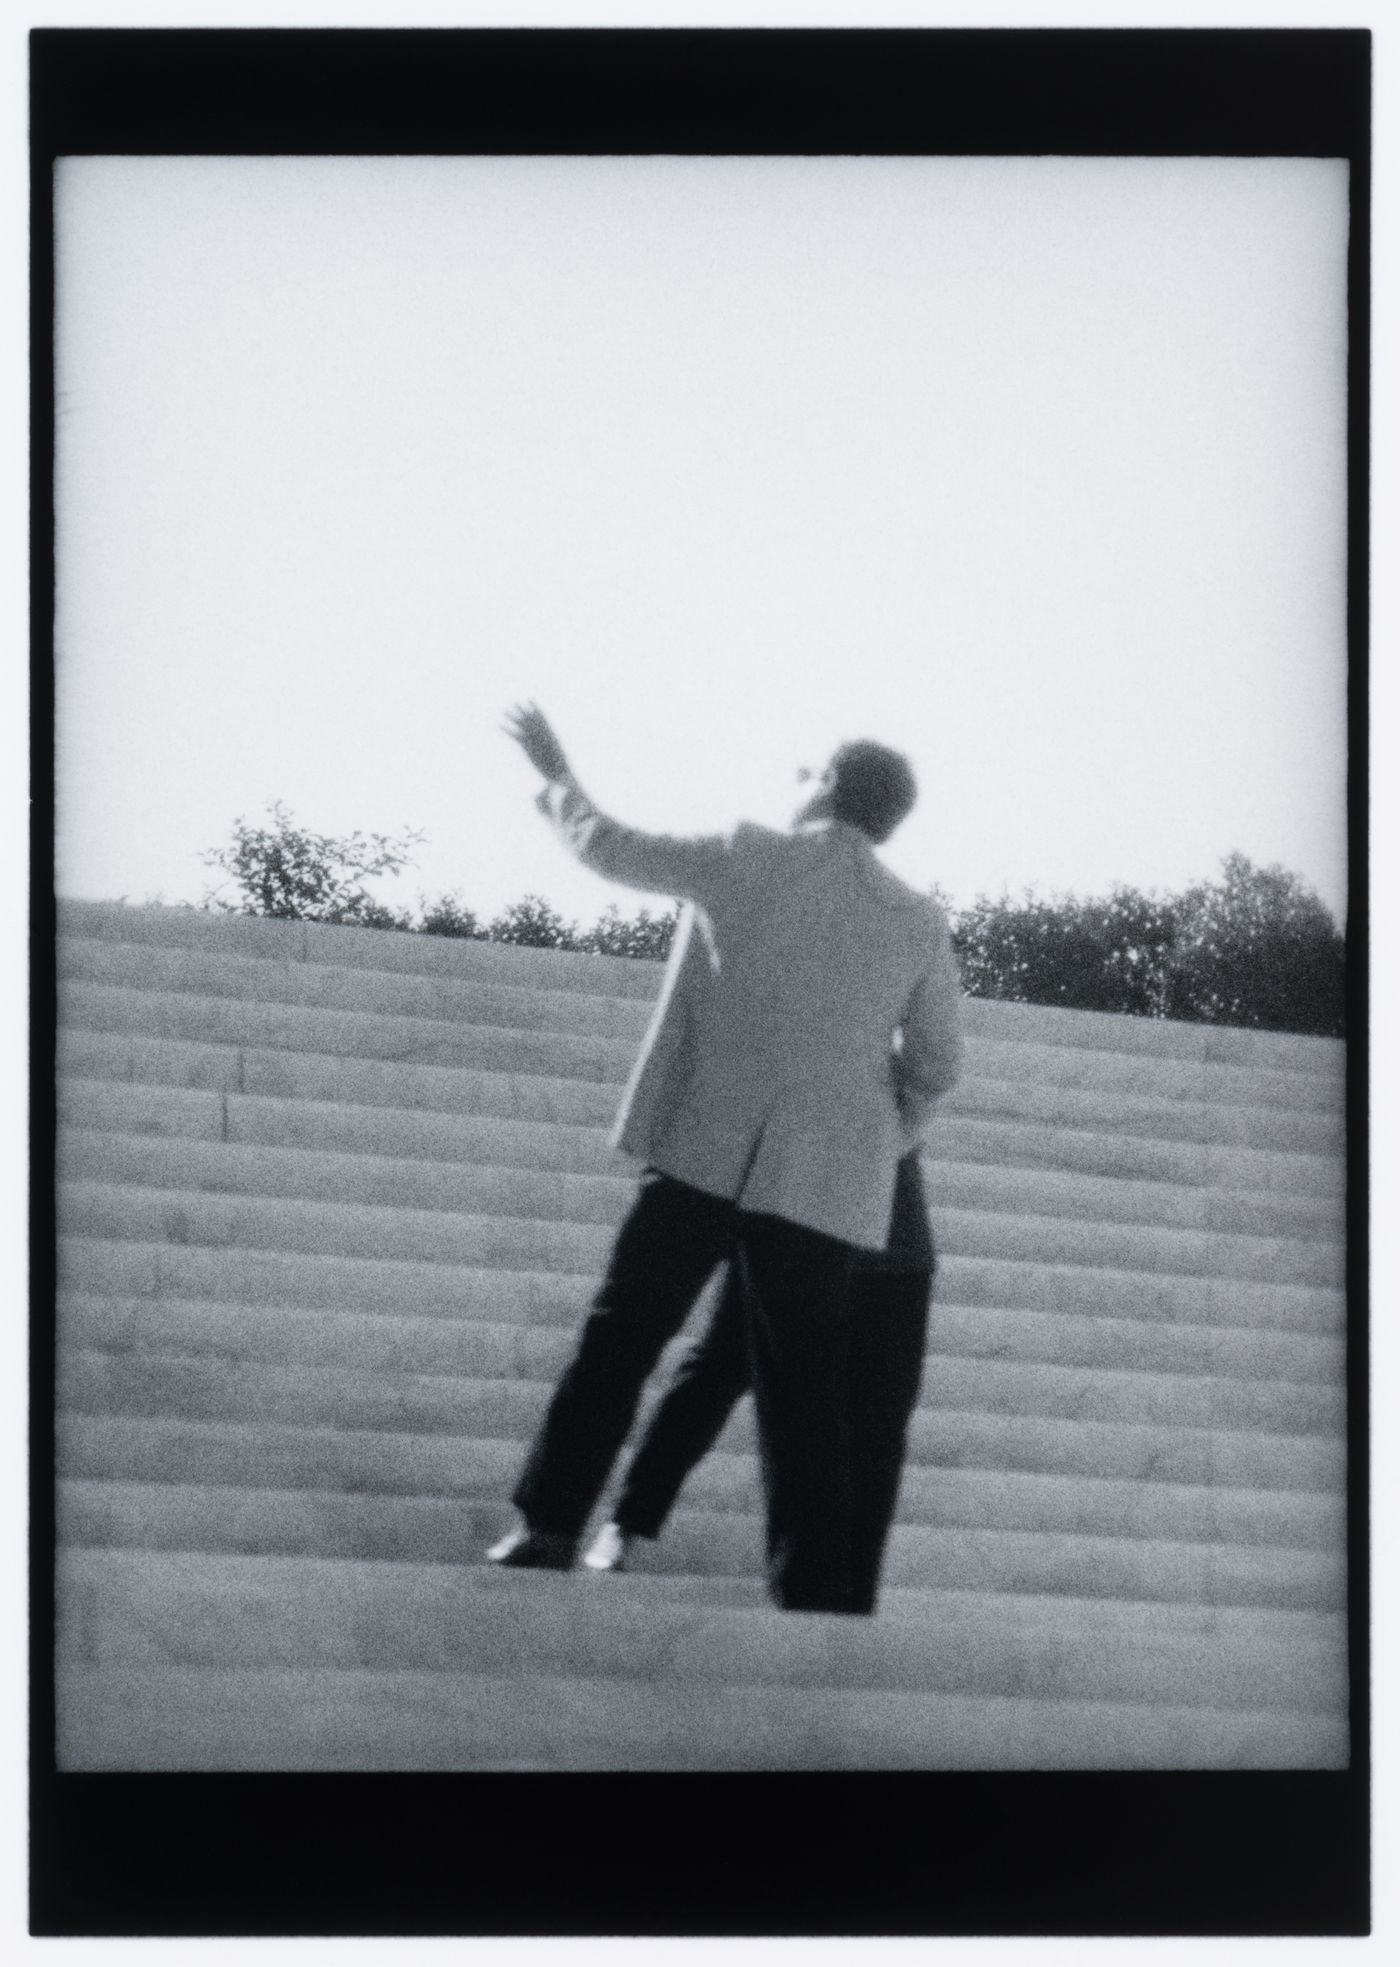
(946, 1854)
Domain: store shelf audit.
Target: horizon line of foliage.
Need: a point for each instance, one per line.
(290, 874)
(1254, 948)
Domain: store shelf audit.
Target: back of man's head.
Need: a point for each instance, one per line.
(873, 788)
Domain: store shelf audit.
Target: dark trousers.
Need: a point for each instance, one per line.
(885, 1335)
(794, 1301)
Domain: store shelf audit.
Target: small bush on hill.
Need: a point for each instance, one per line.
(534, 923)
(642, 935)
(286, 872)
(448, 917)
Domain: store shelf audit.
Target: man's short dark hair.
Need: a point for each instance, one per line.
(874, 788)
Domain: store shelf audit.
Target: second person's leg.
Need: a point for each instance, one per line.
(669, 1244)
(711, 1376)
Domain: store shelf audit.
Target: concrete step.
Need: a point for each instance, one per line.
(538, 1151)
(512, 1246)
(1135, 1247)
(475, 1096)
(1055, 1219)
(1274, 1129)
(238, 1168)
(1011, 1143)
(161, 1270)
(98, 1512)
(563, 1051)
(979, 1498)
(1112, 1031)
(296, 1028)
(1134, 1345)
(998, 1500)
(217, 1423)
(1088, 1292)
(475, 1000)
(1035, 1051)
(1108, 1624)
(114, 1328)
(97, 1379)
(321, 1118)
(252, 1065)
(730, 1542)
(375, 950)
(462, 1344)
(567, 1221)
(705, 1552)
(1118, 1199)
(162, 1718)
(1173, 1078)
(326, 1125)
(138, 1608)
(267, 1222)
(356, 949)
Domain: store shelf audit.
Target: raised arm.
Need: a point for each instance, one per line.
(657, 862)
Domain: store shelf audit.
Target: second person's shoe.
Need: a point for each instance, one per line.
(610, 1549)
(534, 1550)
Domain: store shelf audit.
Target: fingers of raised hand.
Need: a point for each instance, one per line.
(521, 722)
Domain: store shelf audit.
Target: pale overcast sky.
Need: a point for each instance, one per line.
(1032, 467)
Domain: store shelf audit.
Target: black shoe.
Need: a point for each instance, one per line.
(534, 1550)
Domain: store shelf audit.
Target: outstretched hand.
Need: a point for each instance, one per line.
(530, 728)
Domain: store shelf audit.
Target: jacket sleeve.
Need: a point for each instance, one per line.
(660, 863)
(930, 1056)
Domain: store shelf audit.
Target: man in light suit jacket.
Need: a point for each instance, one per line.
(808, 1021)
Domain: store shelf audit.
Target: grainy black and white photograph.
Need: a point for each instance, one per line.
(701, 842)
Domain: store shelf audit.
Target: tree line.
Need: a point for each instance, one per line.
(1253, 947)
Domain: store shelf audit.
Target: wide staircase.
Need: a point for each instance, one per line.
(331, 1205)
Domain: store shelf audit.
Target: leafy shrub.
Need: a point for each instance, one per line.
(1255, 948)
(447, 916)
(534, 923)
(1109, 955)
(286, 872)
(1258, 948)
(644, 936)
